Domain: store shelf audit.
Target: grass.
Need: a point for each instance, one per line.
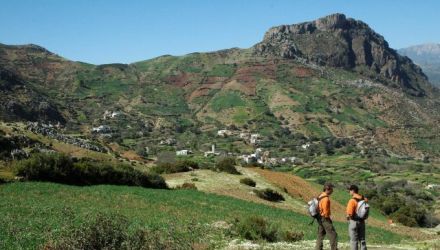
(227, 100)
(32, 212)
(222, 70)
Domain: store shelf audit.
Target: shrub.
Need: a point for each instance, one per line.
(290, 236)
(252, 165)
(269, 194)
(227, 165)
(175, 167)
(258, 228)
(104, 232)
(255, 228)
(62, 169)
(114, 232)
(187, 185)
(248, 181)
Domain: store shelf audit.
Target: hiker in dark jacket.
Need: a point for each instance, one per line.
(356, 226)
(325, 224)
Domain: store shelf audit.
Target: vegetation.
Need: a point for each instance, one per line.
(60, 168)
(248, 181)
(187, 185)
(46, 209)
(113, 232)
(175, 167)
(269, 194)
(227, 100)
(257, 228)
(409, 207)
(227, 165)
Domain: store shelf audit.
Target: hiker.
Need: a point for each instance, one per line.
(325, 224)
(356, 216)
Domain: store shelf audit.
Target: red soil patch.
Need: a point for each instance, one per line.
(180, 80)
(303, 72)
(246, 74)
(299, 188)
(204, 90)
(249, 89)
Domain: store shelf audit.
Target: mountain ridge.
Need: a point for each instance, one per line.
(299, 92)
(427, 56)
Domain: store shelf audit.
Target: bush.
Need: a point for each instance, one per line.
(187, 185)
(175, 167)
(269, 194)
(227, 165)
(258, 228)
(114, 232)
(252, 165)
(290, 236)
(62, 169)
(248, 181)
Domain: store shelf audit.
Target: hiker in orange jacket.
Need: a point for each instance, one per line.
(356, 226)
(325, 224)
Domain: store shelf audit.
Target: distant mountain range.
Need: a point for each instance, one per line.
(427, 56)
(332, 77)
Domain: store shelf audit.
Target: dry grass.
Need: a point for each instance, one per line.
(229, 185)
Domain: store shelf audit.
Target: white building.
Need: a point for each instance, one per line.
(244, 135)
(168, 141)
(255, 138)
(102, 129)
(224, 133)
(183, 152)
(305, 146)
(212, 152)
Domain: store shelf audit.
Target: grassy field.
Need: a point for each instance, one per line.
(32, 213)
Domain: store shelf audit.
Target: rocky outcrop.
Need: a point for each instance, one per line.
(49, 131)
(337, 41)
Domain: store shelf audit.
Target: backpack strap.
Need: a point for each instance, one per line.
(320, 198)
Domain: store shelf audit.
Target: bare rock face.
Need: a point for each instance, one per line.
(337, 41)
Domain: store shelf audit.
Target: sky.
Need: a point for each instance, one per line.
(110, 31)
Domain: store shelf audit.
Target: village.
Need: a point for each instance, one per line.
(259, 156)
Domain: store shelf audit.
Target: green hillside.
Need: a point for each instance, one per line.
(36, 212)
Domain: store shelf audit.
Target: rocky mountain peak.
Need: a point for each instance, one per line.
(338, 41)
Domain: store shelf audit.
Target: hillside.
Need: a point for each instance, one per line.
(427, 56)
(143, 206)
(368, 93)
(324, 100)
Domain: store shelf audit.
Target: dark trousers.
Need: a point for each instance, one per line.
(325, 227)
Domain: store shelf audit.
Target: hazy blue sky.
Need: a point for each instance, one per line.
(106, 31)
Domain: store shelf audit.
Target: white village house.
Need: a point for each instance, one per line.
(183, 152)
(212, 152)
(102, 129)
(224, 133)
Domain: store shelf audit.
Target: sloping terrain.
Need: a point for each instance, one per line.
(365, 91)
(327, 100)
(43, 210)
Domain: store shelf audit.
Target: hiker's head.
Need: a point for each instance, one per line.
(328, 188)
(353, 189)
